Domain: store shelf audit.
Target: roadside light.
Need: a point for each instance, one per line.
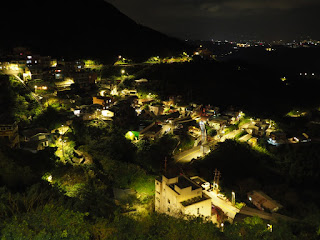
(123, 71)
(102, 93)
(35, 86)
(233, 198)
(49, 178)
(119, 56)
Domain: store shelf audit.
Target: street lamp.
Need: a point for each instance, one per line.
(233, 200)
(35, 88)
(62, 141)
(123, 71)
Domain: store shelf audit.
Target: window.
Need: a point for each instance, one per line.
(168, 209)
(198, 211)
(169, 201)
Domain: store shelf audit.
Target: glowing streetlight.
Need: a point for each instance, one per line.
(222, 225)
(62, 141)
(49, 178)
(233, 199)
(123, 71)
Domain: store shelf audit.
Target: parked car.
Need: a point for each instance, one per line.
(206, 185)
(221, 196)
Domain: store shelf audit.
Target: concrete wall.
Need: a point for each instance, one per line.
(202, 208)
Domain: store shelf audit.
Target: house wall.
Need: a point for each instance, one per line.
(202, 208)
(9, 134)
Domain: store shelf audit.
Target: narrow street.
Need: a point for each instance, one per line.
(225, 205)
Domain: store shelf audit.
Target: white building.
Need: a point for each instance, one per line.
(179, 196)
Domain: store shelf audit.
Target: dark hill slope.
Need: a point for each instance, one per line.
(74, 28)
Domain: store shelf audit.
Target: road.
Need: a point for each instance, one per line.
(230, 135)
(188, 155)
(26, 87)
(225, 205)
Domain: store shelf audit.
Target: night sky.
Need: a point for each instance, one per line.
(227, 19)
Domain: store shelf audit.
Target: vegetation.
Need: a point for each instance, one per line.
(56, 193)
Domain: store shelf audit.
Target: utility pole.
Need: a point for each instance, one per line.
(165, 164)
(216, 179)
(233, 198)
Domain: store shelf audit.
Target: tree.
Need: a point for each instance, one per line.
(49, 222)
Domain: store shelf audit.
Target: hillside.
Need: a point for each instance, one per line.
(79, 29)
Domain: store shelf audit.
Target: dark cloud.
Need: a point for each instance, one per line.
(219, 18)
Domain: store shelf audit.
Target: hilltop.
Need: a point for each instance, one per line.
(77, 29)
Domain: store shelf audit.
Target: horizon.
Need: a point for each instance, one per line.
(206, 20)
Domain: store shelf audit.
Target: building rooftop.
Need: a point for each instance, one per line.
(184, 182)
(32, 132)
(195, 200)
(265, 200)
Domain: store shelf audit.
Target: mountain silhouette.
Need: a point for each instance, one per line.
(80, 29)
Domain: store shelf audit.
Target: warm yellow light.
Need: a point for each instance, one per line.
(49, 178)
(53, 63)
(123, 71)
(107, 113)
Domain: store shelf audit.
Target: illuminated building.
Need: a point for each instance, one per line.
(180, 196)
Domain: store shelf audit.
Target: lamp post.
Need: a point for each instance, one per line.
(233, 200)
(62, 141)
